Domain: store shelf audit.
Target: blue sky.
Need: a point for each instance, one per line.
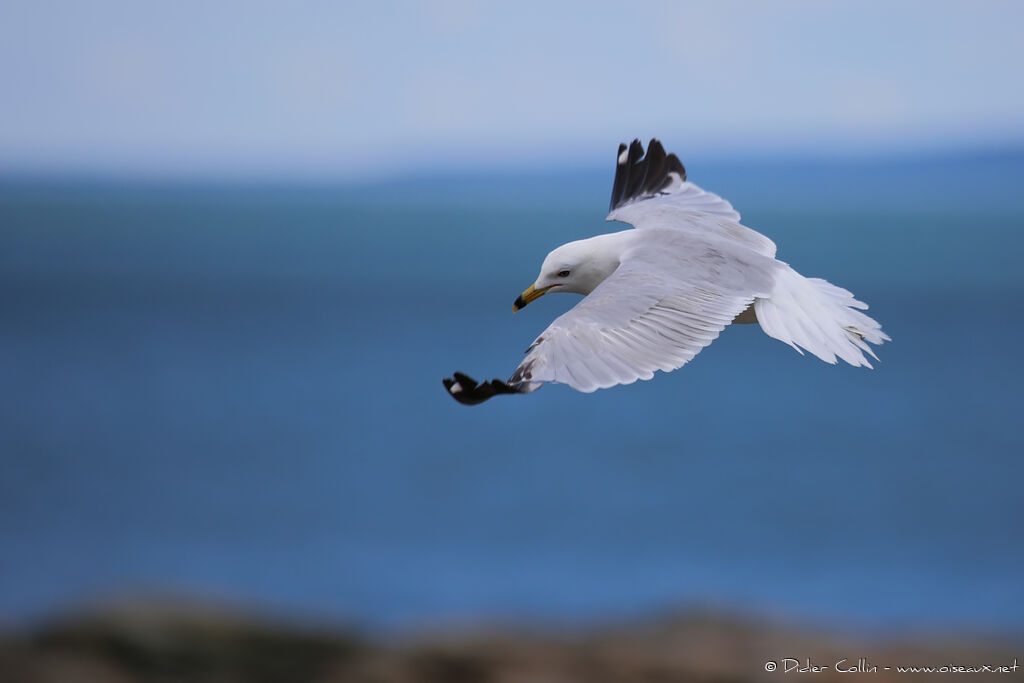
(350, 89)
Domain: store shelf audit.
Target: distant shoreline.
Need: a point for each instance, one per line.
(159, 641)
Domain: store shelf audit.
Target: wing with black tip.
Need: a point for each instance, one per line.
(651, 191)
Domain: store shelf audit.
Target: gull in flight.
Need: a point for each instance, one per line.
(656, 295)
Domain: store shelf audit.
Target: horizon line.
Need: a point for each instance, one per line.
(312, 174)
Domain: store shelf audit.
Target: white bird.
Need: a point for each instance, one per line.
(655, 296)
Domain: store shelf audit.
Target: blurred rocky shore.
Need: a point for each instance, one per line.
(181, 641)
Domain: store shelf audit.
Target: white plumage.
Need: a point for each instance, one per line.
(657, 295)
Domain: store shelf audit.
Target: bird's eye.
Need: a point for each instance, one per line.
(563, 273)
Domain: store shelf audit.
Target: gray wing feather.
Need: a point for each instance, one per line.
(664, 303)
(684, 206)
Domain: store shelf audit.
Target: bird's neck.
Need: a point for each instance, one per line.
(603, 256)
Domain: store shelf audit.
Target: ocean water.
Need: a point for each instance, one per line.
(234, 391)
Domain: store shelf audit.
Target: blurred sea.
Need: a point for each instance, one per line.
(234, 391)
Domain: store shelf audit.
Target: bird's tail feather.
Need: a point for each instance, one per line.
(820, 317)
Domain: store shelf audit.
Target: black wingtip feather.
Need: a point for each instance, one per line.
(621, 171)
(638, 176)
(469, 392)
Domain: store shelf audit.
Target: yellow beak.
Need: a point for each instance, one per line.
(529, 295)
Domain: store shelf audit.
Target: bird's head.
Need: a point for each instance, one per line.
(576, 267)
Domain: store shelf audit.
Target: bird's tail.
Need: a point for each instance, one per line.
(820, 317)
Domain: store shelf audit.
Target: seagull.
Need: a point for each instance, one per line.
(657, 294)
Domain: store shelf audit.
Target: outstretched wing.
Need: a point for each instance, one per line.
(664, 303)
(651, 191)
(667, 300)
